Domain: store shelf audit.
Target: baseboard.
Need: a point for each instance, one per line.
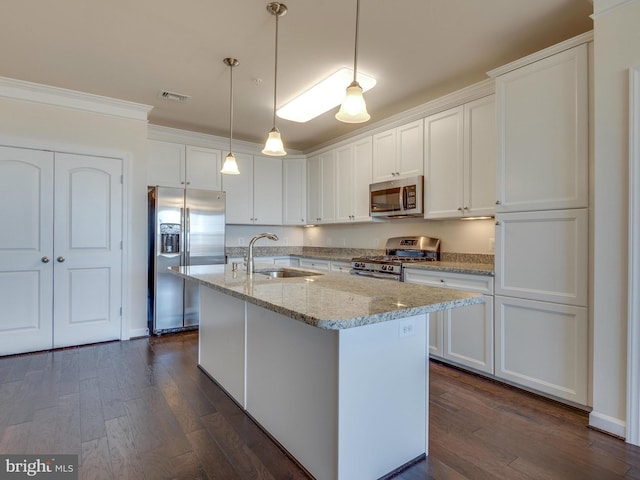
(137, 333)
(608, 424)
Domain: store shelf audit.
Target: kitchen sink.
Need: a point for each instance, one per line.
(286, 273)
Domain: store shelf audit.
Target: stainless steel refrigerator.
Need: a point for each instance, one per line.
(186, 227)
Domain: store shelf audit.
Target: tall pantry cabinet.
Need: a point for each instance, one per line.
(541, 263)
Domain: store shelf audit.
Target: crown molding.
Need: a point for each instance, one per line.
(603, 7)
(62, 97)
(547, 52)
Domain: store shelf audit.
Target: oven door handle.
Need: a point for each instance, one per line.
(382, 276)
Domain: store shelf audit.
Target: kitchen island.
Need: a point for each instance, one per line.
(333, 367)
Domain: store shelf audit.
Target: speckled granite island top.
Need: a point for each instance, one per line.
(331, 301)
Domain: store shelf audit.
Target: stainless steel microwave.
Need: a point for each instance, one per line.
(397, 198)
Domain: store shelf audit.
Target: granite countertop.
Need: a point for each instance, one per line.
(331, 301)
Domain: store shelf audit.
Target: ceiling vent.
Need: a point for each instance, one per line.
(173, 96)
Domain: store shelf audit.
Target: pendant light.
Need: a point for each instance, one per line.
(353, 108)
(274, 146)
(230, 166)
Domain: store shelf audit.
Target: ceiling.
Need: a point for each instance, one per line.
(132, 49)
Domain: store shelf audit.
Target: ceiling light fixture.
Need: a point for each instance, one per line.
(323, 96)
(274, 145)
(230, 166)
(354, 108)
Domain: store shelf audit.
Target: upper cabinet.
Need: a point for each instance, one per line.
(542, 118)
(255, 196)
(321, 192)
(459, 161)
(294, 191)
(353, 176)
(398, 152)
(183, 166)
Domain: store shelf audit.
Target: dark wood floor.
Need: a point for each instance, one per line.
(142, 410)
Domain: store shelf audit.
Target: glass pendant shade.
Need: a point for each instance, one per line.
(274, 146)
(230, 166)
(353, 108)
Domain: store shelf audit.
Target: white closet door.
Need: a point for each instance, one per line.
(26, 250)
(87, 238)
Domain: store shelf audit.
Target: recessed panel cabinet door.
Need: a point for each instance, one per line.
(87, 237)
(26, 250)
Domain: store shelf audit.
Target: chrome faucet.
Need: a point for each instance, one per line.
(250, 264)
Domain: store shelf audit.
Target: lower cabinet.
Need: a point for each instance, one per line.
(464, 335)
(337, 266)
(315, 264)
(543, 346)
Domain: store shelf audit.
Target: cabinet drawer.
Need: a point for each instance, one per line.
(459, 281)
(314, 263)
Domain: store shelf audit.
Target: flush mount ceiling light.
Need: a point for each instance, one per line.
(274, 146)
(323, 96)
(353, 108)
(230, 166)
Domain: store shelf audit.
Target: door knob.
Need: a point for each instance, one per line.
(45, 259)
(60, 259)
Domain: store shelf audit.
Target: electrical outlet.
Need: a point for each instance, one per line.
(407, 328)
(492, 244)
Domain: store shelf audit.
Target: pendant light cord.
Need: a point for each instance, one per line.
(275, 79)
(355, 57)
(231, 111)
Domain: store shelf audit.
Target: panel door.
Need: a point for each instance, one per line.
(166, 165)
(443, 164)
(344, 183)
(543, 137)
(26, 250)
(294, 191)
(314, 189)
(203, 168)
(267, 190)
(88, 249)
(239, 189)
(409, 149)
(384, 156)
(328, 172)
(362, 158)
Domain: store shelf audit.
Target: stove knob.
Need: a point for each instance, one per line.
(384, 267)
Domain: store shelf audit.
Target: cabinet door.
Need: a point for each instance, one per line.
(384, 156)
(26, 250)
(444, 156)
(239, 190)
(166, 164)
(362, 170)
(328, 173)
(294, 191)
(436, 334)
(543, 255)
(479, 157)
(88, 252)
(344, 267)
(315, 264)
(267, 190)
(203, 168)
(314, 189)
(542, 112)
(345, 178)
(409, 149)
(543, 346)
(468, 335)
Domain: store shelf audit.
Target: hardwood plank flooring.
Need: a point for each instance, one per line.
(143, 410)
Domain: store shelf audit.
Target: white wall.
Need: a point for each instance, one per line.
(616, 48)
(459, 236)
(36, 125)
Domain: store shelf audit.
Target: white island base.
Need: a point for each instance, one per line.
(346, 404)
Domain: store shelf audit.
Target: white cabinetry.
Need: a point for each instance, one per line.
(255, 196)
(294, 191)
(542, 231)
(178, 165)
(315, 264)
(352, 181)
(321, 187)
(398, 152)
(462, 335)
(337, 266)
(543, 135)
(459, 161)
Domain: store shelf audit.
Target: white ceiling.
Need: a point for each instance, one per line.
(131, 49)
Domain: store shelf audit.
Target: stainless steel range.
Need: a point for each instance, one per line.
(399, 251)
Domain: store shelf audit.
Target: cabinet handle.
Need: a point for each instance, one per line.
(181, 183)
(60, 259)
(465, 208)
(497, 202)
(497, 222)
(459, 209)
(45, 259)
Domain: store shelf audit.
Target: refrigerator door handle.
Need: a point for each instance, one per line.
(187, 238)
